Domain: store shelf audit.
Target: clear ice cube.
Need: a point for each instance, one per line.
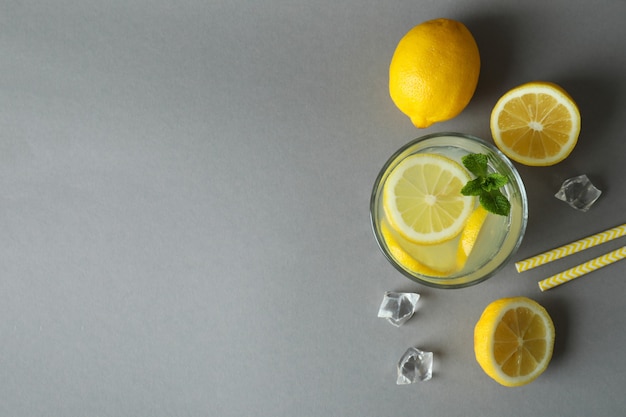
(578, 192)
(415, 365)
(398, 307)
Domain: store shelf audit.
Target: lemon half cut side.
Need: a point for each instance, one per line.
(514, 340)
(536, 124)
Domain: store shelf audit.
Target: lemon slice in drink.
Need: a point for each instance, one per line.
(422, 198)
(536, 124)
(404, 258)
(514, 340)
(470, 235)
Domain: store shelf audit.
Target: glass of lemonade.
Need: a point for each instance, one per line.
(437, 264)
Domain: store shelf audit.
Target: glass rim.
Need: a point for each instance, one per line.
(439, 282)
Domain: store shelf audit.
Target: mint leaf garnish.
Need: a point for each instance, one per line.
(495, 202)
(473, 187)
(486, 186)
(476, 163)
(494, 182)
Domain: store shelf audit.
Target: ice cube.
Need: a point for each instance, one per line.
(398, 307)
(415, 365)
(578, 192)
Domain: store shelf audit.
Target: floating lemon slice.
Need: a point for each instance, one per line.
(513, 340)
(404, 258)
(440, 260)
(536, 124)
(422, 198)
(470, 235)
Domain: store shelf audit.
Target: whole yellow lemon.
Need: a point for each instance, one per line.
(434, 71)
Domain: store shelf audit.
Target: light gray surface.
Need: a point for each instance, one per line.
(184, 217)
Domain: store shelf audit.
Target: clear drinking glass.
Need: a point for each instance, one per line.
(499, 237)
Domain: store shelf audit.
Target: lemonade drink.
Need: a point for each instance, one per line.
(486, 241)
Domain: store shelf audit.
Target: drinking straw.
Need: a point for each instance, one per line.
(582, 269)
(577, 246)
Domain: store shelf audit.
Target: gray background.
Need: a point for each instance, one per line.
(184, 225)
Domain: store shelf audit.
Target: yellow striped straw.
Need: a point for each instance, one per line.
(577, 246)
(582, 269)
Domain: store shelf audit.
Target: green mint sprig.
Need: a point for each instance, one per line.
(486, 186)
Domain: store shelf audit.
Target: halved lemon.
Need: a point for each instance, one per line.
(536, 124)
(422, 198)
(514, 340)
